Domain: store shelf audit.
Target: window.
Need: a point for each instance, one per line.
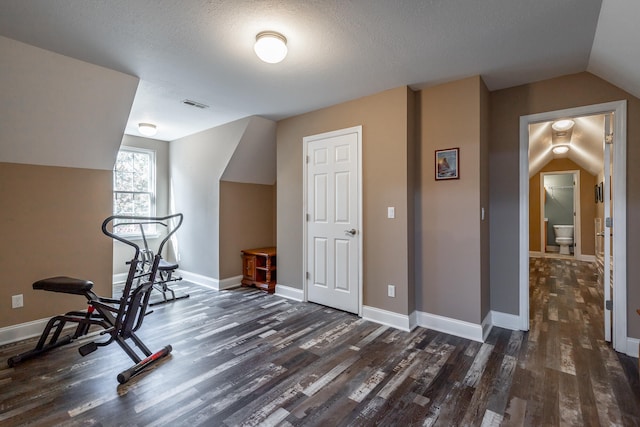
(134, 186)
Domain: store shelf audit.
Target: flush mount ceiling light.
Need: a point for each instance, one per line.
(562, 125)
(147, 129)
(561, 149)
(270, 46)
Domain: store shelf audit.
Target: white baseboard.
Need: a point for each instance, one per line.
(487, 326)
(210, 282)
(632, 346)
(289, 292)
(505, 320)
(22, 331)
(230, 283)
(451, 326)
(587, 258)
(413, 320)
(120, 278)
(389, 318)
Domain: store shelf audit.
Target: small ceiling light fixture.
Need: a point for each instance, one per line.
(270, 46)
(561, 149)
(562, 125)
(147, 129)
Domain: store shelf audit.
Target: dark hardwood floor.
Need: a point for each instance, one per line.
(244, 357)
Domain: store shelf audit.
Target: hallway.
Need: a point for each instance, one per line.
(567, 373)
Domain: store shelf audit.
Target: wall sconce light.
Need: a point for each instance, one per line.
(147, 129)
(270, 47)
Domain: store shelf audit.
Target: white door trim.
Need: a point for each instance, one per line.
(619, 212)
(305, 210)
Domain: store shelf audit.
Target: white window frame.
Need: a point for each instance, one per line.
(150, 230)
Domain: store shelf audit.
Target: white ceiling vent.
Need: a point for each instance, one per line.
(194, 104)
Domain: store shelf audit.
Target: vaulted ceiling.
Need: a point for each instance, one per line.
(585, 140)
(202, 50)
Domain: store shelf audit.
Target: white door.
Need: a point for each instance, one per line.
(333, 236)
(608, 229)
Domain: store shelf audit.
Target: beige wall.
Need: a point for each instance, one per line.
(385, 145)
(587, 206)
(247, 219)
(50, 226)
(506, 108)
(412, 193)
(449, 278)
(485, 237)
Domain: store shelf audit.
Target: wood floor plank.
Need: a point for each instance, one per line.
(245, 357)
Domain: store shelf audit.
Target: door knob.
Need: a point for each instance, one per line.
(352, 231)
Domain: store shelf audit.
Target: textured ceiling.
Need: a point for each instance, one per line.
(338, 50)
(202, 50)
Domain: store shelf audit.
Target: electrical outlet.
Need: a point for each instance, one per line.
(17, 301)
(391, 291)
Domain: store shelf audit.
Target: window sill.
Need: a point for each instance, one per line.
(138, 237)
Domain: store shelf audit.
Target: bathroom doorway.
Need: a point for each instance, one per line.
(534, 125)
(560, 227)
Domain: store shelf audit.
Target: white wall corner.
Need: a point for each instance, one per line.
(505, 320)
(388, 318)
(120, 278)
(230, 283)
(632, 346)
(487, 325)
(210, 282)
(289, 292)
(22, 331)
(450, 326)
(413, 320)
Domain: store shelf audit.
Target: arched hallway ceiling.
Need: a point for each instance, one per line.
(586, 146)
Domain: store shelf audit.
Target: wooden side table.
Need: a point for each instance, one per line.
(259, 268)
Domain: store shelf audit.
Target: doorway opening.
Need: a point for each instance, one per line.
(616, 308)
(560, 214)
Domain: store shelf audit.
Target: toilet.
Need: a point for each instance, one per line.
(564, 238)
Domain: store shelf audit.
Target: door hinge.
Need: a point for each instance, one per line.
(608, 222)
(307, 217)
(608, 305)
(307, 159)
(308, 275)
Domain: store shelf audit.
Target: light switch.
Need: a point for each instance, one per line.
(391, 212)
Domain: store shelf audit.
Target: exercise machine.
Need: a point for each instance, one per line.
(166, 270)
(118, 319)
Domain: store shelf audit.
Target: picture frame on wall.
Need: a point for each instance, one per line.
(601, 192)
(447, 164)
